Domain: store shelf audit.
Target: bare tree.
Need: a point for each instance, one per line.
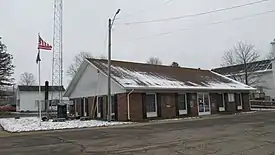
(78, 59)
(27, 79)
(154, 61)
(243, 54)
(270, 55)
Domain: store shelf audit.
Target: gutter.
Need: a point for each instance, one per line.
(128, 103)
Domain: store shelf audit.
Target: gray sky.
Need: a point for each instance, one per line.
(85, 29)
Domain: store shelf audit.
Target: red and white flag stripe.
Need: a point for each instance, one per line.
(43, 45)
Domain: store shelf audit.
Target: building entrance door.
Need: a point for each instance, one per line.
(203, 104)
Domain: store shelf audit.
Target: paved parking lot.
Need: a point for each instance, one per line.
(248, 134)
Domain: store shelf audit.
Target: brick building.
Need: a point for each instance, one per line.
(144, 91)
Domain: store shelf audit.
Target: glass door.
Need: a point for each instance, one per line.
(203, 104)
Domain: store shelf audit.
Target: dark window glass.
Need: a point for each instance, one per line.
(150, 103)
(221, 101)
(182, 102)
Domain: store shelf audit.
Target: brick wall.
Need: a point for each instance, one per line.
(168, 105)
(136, 109)
(122, 109)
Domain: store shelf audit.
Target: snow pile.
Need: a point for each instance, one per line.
(248, 112)
(32, 124)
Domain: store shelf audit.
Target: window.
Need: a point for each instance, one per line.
(239, 101)
(222, 103)
(182, 102)
(206, 102)
(150, 103)
(99, 106)
(231, 97)
(113, 105)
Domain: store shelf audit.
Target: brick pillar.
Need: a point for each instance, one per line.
(246, 102)
(168, 106)
(105, 108)
(192, 105)
(136, 108)
(122, 109)
(214, 100)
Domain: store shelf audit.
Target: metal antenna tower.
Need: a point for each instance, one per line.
(57, 61)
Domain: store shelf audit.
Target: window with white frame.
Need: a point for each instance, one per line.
(99, 106)
(239, 101)
(151, 105)
(182, 104)
(222, 103)
(231, 97)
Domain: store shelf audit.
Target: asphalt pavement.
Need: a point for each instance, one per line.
(248, 134)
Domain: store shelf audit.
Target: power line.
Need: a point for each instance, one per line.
(197, 14)
(213, 23)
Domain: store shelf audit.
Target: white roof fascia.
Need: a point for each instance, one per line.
(75, 79)
(112, 80)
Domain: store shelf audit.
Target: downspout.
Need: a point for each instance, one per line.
(128, 103)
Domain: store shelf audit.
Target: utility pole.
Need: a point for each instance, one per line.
(273, 60)
(109, 70)
(110, 24)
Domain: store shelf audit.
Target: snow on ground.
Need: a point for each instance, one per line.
(248, 112)
(32, 124)
(176, 119)
(262, 109)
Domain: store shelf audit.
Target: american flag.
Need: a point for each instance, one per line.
(43, 45)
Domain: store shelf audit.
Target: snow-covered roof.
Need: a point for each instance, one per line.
(132, 75)
(253, 67)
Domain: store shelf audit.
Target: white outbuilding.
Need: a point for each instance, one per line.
(26, 96)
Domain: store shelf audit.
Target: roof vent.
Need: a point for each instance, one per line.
(175, 64)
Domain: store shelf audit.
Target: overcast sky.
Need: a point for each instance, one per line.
(85, 29)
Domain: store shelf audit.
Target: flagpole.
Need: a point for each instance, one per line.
(39, 87)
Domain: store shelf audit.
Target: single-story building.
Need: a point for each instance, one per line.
(26, 96)
(144, 91)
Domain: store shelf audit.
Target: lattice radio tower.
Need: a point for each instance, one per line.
(57, 61)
